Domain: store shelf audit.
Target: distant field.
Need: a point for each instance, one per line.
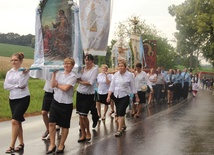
(7, 50)
(5, 63)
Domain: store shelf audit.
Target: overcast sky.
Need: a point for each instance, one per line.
(18, 16)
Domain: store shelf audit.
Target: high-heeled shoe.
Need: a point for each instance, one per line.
(81, 140)
(60, 151)
(51, 151)
(19, 148)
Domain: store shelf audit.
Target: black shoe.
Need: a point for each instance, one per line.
(51, 151)
(81, 140)
(60, 151)
(95, 121)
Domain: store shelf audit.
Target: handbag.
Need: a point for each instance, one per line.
(144, 88)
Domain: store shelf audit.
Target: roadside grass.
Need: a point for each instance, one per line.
(36, 99)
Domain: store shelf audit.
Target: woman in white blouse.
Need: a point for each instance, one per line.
(85, 100)
(152, 77)
(17, 83)
(141, 81)
(61, 108)
(103, 81)
(195, 84)
(122, 85)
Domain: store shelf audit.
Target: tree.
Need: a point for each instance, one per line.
(195, 22)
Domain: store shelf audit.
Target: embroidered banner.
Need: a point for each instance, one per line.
(135, 41)
(94, 25)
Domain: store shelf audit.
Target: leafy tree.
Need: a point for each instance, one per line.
(195, 24)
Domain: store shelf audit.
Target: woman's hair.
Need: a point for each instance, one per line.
(70, 60)
(89, 57)
(122, 62)
(139, 65)
(104, 65)
(19, 55)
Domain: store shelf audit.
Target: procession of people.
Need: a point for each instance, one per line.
(114, 88)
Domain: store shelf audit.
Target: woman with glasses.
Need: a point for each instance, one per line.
(62, 105)
(17, 83)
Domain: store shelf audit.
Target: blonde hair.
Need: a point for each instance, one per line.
(70, 60)
(104, 66)
(19, 55)
(122, 61)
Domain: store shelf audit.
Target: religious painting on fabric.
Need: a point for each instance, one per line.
(150, 53)
(94, 25)
(56, 21)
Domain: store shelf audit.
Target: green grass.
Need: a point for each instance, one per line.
(36, 93)
(7, 50)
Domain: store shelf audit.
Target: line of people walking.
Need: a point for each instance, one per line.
(114, 89)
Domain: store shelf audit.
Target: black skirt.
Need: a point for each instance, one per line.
(102, 99)
(84, 103)
(121, 105)
(18, 108)
(142, 97)
(60, 114)
(170, 87)
(47, 100)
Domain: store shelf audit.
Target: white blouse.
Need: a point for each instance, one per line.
(123, 85)
(47, 86)
(142, 79)
(90, 76)
(14, 81)
(62, 96)
(103, 87)
(152, 77)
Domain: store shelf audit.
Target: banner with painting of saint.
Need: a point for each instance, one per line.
(150, 53)
(135, 42)
(56, 21)
(94, 25)
(121, 51)
(57, 36)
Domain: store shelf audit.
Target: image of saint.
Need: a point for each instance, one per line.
(47, 39)
(62, 34)
(92, 24)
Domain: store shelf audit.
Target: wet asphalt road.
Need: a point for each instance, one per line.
(182, 128)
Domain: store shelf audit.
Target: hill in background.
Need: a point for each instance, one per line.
(7, 50)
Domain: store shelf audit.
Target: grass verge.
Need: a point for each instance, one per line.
(36, 93)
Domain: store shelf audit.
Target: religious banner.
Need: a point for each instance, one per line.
(94, 25)
(57, 36)
(121, 51)
(57, 27)
(150, 54)
(135, 42)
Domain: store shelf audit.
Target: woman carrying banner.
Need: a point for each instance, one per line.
(122, 85)
(85, 100)
(62, 104)
(17, 83)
